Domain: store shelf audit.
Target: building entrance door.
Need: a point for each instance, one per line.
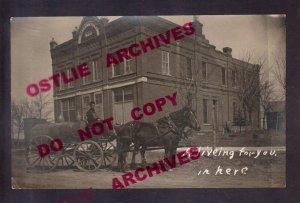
(123, 104)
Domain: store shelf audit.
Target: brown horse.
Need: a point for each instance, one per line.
(166, 133)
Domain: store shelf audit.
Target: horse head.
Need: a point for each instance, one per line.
(188, 118)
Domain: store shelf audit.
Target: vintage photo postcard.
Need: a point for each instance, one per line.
(122, 102)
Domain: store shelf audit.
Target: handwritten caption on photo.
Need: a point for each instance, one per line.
(233, 153)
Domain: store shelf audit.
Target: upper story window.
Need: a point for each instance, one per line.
(128, 66)
(62, 85)
(223, 75)
(88, 79)
(116, 69)
(69, 75)
(204, 70)
(233, 78)
(189, 73)
(123, 68)
(97, 70)
(165, 63)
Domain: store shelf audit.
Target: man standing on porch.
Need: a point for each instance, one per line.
(91, 114)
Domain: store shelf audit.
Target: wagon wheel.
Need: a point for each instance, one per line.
(110, 153)
(88, 155)
(33, 158)
(66, 156)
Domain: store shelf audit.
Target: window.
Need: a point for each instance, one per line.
(234, 111)
(99, 104)
(68, 109)
(98, 98)
(116, 69)
(123, 68)
(205, 111)
(128, 66)
(204, 70)
(233, 78)
(223, 76)
(69, 75)
(189, 73)
(65, 112)
(118, 93)
(86, 99)
(165, 63)
(72, 109)
(215, 113)
(215, 103)
(97, 70)
(128, 94)
(88, 79)
(123, 103)
(62, 85)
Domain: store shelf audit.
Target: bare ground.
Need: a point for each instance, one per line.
(265, 171)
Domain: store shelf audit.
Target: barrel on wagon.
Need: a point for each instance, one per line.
(87, 155)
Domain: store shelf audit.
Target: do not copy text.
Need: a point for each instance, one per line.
(97, 128)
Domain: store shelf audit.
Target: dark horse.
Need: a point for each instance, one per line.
(166, 133)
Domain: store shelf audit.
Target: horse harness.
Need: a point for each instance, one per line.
(169, 124)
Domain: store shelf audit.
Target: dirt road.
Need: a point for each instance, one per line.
(265, 171)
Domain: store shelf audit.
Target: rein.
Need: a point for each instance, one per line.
(173, 124)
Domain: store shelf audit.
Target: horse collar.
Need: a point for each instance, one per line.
(172, 124)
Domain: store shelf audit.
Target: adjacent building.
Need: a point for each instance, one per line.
(276, 116)
(204, 77)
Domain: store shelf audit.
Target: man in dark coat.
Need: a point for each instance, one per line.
(91, 114)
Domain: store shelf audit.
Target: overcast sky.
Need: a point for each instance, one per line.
(30, 37)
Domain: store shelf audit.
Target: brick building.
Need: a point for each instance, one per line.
(191, 66)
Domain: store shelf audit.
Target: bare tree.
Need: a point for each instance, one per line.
(279, 70)
(38, 108)
(266, 91)
(187, 87)
(249, 85)
(41, 106)
(18, 113)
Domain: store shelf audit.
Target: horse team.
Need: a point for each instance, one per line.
(136, 136)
